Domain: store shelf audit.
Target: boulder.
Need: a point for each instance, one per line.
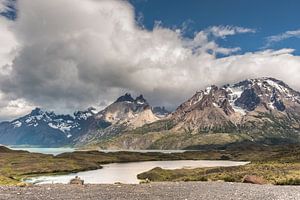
(254, 179)
(76, 181)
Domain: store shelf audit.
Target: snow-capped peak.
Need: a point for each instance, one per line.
(44, 119)
(84, 115)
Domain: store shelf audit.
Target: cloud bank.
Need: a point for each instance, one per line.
(71, 54)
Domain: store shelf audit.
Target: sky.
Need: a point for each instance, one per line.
(68, 55)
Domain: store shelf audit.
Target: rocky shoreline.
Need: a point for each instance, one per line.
(167, 190)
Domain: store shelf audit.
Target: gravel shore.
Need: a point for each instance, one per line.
(153, 191)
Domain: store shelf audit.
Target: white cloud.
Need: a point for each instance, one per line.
(73, 54)
(223, 31)
(283, 36)
(10, 109)
(4, 5)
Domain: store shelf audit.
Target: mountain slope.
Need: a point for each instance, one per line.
(44, 128)
(124, 114)
(264, 110)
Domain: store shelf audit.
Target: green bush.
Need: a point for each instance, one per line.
(290, 181)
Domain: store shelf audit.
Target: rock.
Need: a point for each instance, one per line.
(76, 181)
(145, 181)
(22, 184)
(254, 179)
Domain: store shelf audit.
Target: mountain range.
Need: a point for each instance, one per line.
(261, 110)
(47, 129)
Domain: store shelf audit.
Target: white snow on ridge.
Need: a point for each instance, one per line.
(53, 126)
(271, 105)
(234, 94)
(280, 88)
(17, 124)
(216, 105)
(239, 110)
(196, 98)
(207, 90)
(85, 115)
(61, 126)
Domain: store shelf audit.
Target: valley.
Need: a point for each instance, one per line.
(254, 120)
(275, 164)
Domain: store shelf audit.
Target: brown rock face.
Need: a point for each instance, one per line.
(263, 110)
(244, 107)
(254, 179)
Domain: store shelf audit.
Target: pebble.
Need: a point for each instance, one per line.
(159, 191)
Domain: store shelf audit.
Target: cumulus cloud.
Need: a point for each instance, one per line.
(283, 36)
(72, 54)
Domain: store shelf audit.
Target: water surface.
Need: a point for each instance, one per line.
(127, 172)
(53, 151)
(56, 151)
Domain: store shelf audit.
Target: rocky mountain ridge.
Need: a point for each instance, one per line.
(263, 110)
(234, 105)
(44, 128)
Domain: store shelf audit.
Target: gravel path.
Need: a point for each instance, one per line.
(153, 191)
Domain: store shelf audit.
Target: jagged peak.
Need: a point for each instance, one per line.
(141, 100)
(210, 89)
(124, 98)
(244, 96)
(85, 114)
(88, 110)
(37, 111)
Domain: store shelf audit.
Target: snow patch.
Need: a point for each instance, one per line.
(140, 102)
(216, 105)
(271, 105)
(239, 110)
(207, 90)
(280, 88)
(234, 94)
(62, 126)
(84, 116)
(17, 124)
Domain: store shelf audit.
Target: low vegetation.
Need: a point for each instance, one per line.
(276, 164)
(272, 172)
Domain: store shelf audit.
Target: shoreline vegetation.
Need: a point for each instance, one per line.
(278, 165)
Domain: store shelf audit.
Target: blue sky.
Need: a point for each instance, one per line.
(267, 17)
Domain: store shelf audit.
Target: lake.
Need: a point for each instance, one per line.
(127, 172)
(53, 151)
(56, 151)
